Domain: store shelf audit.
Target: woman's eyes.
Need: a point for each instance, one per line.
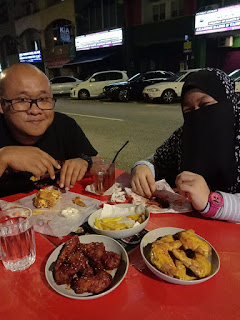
(200, 105)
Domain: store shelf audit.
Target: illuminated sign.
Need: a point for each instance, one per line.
(33, 56)
(64, 34)
(218, 20)
(102, 39)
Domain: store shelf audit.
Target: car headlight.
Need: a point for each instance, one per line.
(153, 90)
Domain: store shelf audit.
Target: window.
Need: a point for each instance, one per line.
(176, 8)
(4, 11)
(100, 77)
(159, 12)
(100, 14)
(114, 76)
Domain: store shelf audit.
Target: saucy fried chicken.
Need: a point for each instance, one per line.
(83, 266)
(66, 251)
(94, 284)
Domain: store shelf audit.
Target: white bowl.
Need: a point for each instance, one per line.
(117, 274)
(153, 235)
(118, 234)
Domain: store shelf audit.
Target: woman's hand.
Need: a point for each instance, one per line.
(194, 187)
(142, 181)
(72, 170)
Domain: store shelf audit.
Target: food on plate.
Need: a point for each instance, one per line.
(183, 256)
(190, 241)
(70, 212)
(79, 202)
(158, 202)
(85, 266)
(46, 198)
(120, 223)
(33, 178)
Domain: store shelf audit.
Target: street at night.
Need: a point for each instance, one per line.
(109, 124)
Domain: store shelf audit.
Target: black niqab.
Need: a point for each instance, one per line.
(209, 134)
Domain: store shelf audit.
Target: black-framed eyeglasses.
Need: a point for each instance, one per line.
(25, 104)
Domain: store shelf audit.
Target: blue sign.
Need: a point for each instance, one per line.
(33, 56)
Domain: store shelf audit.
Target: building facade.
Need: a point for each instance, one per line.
(157, 34)
(31, 25)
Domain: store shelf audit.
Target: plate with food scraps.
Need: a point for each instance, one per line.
(61, 267)
(188, 258)
(117, 216)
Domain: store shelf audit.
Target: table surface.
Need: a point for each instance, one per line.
(141, 295)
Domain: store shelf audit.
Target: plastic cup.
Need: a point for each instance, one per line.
(104, 175)
(17, 239)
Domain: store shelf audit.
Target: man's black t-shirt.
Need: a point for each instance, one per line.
(63, 140)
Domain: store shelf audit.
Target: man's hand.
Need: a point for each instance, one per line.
(30, 159)
(73, 170)
(194, 187)
(143, 181)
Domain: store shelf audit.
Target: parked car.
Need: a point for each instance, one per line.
(93, 86)
(132, 88)
(235, 75)
(169, 90)
(63, 84)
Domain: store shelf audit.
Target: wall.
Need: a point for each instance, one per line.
(133, 12)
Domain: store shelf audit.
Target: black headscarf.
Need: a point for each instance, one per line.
(210, 134)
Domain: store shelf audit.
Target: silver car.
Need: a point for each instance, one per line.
(63, 84)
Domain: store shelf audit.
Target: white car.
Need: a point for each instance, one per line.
(63, 84)
(168, 90)
(93, 86)
(235, 75)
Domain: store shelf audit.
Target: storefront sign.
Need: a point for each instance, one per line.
(102, 39)
(65, 34)
(33, 56)
(218, 20)
(187, 46)
(57, 63)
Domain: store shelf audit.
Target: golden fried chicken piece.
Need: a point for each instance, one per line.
(199, 265)
(46, 198)
(191, 241)
(167, 238)
(79, 202)
(161, 258)
(181, 272)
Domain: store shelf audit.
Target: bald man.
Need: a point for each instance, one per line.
(33, 138)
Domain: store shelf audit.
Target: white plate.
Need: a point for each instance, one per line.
(117, 274)
(153, 235)
(118, 234)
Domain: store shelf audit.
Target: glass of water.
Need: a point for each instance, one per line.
(17, 239)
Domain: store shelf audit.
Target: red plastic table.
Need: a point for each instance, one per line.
(141, 295)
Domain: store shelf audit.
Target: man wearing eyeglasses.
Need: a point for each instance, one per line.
(33, 138)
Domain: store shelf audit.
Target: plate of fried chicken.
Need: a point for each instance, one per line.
(87, 267)
(179, 256)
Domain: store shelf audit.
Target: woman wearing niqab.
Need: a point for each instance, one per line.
(201, 158)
